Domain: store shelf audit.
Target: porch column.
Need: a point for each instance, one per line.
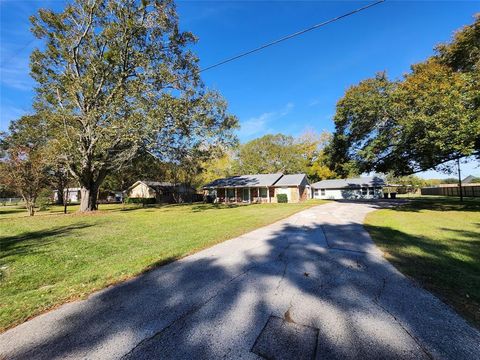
(236, 196)
(226, 196)
(268, 194)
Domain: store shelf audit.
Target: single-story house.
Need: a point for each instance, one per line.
(470, 179)
(72, 195)
(258, 188)
(162, 192)
(354, 188)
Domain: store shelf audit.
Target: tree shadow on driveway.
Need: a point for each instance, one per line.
(214, 304)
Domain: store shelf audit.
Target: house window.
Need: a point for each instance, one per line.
(230, 193)
(322, 192)
(364, 191)
(263, 192)
(371, 191)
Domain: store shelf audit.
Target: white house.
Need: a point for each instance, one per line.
(72, 195)
(354, 188)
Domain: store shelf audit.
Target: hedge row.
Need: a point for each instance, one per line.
(140, 200)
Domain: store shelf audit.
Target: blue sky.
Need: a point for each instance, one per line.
(289, 88)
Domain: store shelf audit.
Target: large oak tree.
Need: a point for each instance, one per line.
(117, 77)
(426, 119)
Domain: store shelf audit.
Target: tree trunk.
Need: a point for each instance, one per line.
(30, 208)
(65, 194)
(60, 195)
(88, 201)
(89, 190)
(29, 202)
(459, 180)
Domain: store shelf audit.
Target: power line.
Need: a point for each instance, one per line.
(249, 52)
(16, 53)
(290, 36)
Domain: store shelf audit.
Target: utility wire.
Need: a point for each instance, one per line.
(16, 53)
(246, 53)
(288, 37)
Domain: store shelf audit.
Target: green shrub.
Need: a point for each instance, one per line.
(142, 201)
(282, 198)
(44, 200)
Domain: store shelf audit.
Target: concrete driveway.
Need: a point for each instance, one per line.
(310, 286)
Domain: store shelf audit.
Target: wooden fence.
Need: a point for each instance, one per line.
(468, 190)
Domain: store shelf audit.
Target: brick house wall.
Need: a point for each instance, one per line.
(255, 196)
(296, 194)
(273, 198)
(221, 195)
(303, 193)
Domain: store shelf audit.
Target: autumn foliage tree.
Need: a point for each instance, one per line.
(311, 146)
(420, 122)
(24, 165)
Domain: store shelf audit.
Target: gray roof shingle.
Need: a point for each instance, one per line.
(245, 181)
(162, 185)
(158, 183)
(349, 183)
(469, 179)
(291, 180)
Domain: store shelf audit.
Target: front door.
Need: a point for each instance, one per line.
(246, 194)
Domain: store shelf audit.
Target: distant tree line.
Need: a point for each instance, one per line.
(285, 154)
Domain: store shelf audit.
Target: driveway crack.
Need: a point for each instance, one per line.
(195, 308)
(186, 314)
(281, 256)
(376, 300)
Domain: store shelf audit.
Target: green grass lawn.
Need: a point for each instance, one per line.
(52, 258)
(436, 241)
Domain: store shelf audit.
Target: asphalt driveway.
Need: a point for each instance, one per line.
(310, 286)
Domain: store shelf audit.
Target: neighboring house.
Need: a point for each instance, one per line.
(162, 192)
(354, 188)
(71, 194)
(258, 188)
(470, 179)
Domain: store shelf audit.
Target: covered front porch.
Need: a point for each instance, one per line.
(245, 195)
